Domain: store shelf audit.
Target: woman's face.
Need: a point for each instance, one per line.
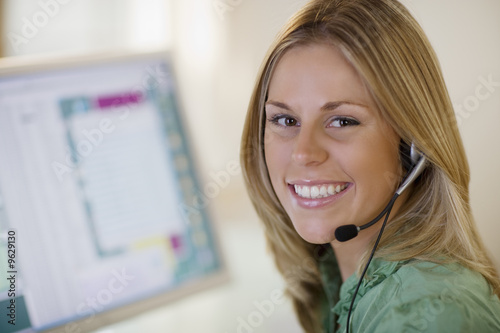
(331, 157)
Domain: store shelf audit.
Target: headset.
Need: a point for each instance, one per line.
(414, 162)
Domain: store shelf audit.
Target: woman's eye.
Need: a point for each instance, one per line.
(285, 121)
(344, 122)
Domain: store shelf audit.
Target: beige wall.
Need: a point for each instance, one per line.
(2, 27)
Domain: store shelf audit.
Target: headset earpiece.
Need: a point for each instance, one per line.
(414, 163)
(409, 155)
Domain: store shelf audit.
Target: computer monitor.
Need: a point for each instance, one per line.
(101, 212)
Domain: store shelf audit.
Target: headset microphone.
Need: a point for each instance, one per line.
(349, 231)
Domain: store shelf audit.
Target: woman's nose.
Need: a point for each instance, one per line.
(309, 147)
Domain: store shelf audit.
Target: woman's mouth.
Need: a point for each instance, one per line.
(318, 195)
(318, 191)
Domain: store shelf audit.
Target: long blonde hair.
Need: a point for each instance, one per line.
(390, 51)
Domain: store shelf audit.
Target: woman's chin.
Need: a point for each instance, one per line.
(315, 234)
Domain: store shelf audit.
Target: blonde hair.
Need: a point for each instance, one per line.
(388, 48)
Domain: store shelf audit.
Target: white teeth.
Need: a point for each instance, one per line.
(323, 191)
(314, 192)
(331, 189)
(318, 191)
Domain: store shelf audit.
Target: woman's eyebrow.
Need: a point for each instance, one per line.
(330, 106)
(279, 105)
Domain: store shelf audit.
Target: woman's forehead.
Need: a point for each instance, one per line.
(319, 72)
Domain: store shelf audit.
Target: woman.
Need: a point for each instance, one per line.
(346, 90)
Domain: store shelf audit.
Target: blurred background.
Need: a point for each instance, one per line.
(217, 47)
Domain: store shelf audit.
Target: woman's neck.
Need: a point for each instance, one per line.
(349, 253)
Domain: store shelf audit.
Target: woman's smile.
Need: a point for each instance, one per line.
(317, 194)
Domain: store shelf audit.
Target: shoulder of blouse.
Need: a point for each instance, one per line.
(416, 296)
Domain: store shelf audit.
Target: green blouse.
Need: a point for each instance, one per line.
(409, 296)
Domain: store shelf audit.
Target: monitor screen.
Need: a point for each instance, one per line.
(101, 213)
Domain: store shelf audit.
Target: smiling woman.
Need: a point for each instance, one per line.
(348, 92)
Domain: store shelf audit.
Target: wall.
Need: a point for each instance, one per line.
(82, 26)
